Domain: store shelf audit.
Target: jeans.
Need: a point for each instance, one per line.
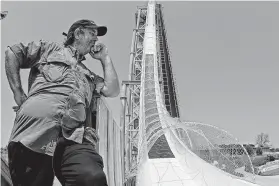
(73, 164)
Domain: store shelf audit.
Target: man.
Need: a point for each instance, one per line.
(52, 125)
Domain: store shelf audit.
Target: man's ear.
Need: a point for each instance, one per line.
(77, 33)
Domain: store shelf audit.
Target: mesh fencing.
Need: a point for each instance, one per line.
(195, 146)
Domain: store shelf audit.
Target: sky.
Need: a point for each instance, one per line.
(224, 56)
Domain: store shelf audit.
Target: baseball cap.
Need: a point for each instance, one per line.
(102, 30)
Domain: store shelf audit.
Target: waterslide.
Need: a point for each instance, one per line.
(202, 155)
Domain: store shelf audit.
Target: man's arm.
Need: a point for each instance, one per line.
(12, 66)
(111, 87)
(21, 56)
(111, 83)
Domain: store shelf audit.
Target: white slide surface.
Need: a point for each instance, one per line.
(185, 168)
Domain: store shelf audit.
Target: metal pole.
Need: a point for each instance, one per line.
(132, 52)
(132, 60)
(123, 99)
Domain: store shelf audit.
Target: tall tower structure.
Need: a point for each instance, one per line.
(131, 89)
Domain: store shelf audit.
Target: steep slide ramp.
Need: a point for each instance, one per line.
(197, 154)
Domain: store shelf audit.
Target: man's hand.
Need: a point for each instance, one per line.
(99, 51)
(19, 97)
